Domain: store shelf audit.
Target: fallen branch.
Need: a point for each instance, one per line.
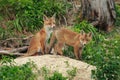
(9, 39)
(3, 52)
(15, 42)
(21, 49)
(16, 51)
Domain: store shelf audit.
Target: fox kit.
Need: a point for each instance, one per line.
(65, 36)
(40, 39)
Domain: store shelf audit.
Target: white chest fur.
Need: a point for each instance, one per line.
(48, 35)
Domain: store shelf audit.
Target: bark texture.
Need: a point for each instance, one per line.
(101, 13)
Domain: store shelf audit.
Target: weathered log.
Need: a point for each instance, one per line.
(15, 42)
(101, 13)
(3, 52)
(17, 51)
(20, 49)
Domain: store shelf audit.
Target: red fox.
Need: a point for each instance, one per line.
(40, 40)
(64, 36)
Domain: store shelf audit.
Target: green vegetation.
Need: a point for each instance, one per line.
(10, 71)
(27, 15)
(57, 76)
(117, 23)
(103, 52)
(21, 16)
(46, 73)
(72, 73)
(67, 63)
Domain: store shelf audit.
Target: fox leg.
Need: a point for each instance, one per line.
(52, 42)
(46, 49)
(76, 52)
(58, 48)
(80, 53)
(55, 49)
(42, 50)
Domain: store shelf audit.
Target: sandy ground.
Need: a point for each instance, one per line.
(61, 64)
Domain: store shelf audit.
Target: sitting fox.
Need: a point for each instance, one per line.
(64, 36)
(40, 40)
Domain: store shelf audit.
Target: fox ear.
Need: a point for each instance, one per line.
(82, 32)
(54, 15)
(90, 34)
(45, 17)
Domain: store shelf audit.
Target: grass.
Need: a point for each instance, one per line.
(10, 71)
(72, 73)
(102, 51)
(28, 15)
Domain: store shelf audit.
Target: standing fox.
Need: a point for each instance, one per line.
(65, 36)
(40, 40)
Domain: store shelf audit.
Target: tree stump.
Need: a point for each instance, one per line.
(100, 13)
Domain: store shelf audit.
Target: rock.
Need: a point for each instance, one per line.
(60, 64)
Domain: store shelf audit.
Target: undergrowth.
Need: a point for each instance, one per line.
(102, 52)
(56, 75)
(21, 16)
(10, 71)
(117, 23)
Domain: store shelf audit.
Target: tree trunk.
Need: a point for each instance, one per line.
(101, 13)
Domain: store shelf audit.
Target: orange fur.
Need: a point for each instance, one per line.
(39, 41)
(65, 36)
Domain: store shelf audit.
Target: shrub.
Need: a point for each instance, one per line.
(72, 73)
(57, 76)
(13, 72)
(33, 11)
(105, 56)
(108, 65)
(102, 52)
(29, 13)
(45, 72)
(117, 23)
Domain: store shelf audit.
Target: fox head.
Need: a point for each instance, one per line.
(49, 23)
(85, 38)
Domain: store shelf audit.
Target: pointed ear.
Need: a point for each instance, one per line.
(82, 32)
(45, 17)
(54, 15)
(90, 34)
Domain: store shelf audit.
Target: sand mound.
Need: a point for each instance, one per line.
(61, 64)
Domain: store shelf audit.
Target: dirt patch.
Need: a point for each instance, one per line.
(61, 64)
